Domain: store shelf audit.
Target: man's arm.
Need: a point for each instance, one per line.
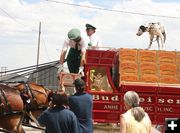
(82, 58)
(61, 61)
(81, 67)
(62, 57)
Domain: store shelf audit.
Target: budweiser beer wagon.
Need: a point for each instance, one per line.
(154, 75)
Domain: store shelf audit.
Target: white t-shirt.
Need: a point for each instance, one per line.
(95, 40)
(72, 44)
(133, 126)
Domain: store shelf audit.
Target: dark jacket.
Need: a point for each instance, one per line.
(81, 104)
(59, 120)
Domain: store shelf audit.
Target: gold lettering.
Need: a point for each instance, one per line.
(160, 100)
(165, 109)
(115, 98)
(111, 107)
(170, 101)
(105, 98)
(177, 101)
(149, 100)
(95, 97)
(148, 109)
(142, 99)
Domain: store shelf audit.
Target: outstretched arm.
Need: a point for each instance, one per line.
(62, 57)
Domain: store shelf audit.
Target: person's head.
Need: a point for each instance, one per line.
(59, 99)
(74, 34)
(90, 29)
(79, 85)
(131, 101)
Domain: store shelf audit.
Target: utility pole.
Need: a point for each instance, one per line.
(38, 51)
(39, 38)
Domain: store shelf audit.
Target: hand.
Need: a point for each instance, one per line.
(81, 70)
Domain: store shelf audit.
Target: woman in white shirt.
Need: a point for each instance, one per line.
(135, 119)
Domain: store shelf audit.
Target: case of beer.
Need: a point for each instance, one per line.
(147, 56)
(128, 55)
(67, 79)
(166, 57)
(167, 69)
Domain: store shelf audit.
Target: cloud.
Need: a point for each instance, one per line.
(19, 27)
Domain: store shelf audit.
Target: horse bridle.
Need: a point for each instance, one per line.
(28, 90)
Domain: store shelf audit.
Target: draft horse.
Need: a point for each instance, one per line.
(35, 98)
(11, 108)
(19, 100)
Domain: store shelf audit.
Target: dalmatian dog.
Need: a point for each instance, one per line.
(155, 30)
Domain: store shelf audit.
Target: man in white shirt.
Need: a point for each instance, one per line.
(94, 40)
(75, 56)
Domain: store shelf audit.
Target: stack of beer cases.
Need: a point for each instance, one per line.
(167, 67)
(149, 66)
(128, 65)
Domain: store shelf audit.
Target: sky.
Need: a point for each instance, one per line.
(19, 26)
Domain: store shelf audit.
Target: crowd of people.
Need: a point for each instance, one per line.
(73, 114)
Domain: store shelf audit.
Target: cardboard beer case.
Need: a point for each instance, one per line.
(68, 78)
(147, 56)
(128, 55)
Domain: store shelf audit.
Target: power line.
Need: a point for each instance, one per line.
(43, 41)
(7, 14)
(14, 19)
(111, 10)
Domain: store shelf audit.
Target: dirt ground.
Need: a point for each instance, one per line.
(98, 128)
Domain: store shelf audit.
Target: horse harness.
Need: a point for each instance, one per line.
(28, 97)
(5, 106)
